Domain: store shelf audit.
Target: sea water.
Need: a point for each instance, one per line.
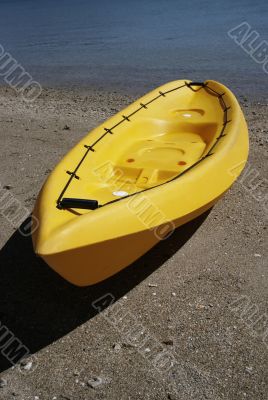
(134, 45)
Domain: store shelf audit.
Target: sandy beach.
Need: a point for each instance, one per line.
(188, 293)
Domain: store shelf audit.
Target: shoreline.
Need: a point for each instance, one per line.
(137, 81)
(133, 93)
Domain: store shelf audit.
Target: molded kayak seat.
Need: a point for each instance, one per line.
(153, 161)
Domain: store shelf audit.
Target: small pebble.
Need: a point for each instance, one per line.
(7, 187)
(3, 382)
(257, 255)
(168, 342)
(200, 306)
(147, 350)
(94, 382)
(128, 345)
(116, 347)
(66, 128)
(171, 397)
(26, 365)
(152, 285)
(173, 294)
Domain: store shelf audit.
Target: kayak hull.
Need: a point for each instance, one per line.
(94, 263)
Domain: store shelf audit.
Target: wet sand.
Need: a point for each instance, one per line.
(182, 293)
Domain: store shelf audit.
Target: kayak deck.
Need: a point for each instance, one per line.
(143, 151)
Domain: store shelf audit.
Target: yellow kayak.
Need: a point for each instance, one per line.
(159, 163)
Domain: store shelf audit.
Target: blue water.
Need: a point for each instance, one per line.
(133, 44)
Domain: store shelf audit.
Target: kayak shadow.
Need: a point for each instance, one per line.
(38, 306)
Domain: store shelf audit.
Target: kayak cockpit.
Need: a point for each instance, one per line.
(149, 147)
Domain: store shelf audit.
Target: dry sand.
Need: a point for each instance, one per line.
(182, 292)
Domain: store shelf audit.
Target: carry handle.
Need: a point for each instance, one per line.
(69, 202)
(196, 84)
